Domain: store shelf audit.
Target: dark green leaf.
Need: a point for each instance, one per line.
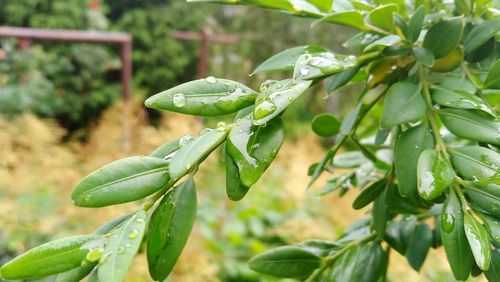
(493, 273)
(286, 262)
(478, 241)
(443, 37)
(369, 194)
(50, 258)
(325, 125)
(380, 215)
(121, 248)
(434, 174)
(492, 225)
(383, 42)
(415, 24)
(473, 162)
(419, 246)
(286, 59)
(196, 150)
(403, 103)
(471, 125)
(77, 274)
(370, 257)
(493, 78)
(381, 17)
(169, 229)
(340, 79)
(485, 193)
(459, 99)
(234, 188)
(455, 242)
(204, 97)
(122, 181)
(350, 119)
(409, 204)
(321, 64)
(409, 146)
(166, 149)
(480, 34)
(276, 99)
(381, 136)
(112, 225)
(424, 56)
(398, 233)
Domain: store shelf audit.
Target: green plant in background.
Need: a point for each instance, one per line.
(432, 67)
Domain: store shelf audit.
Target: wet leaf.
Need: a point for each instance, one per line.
(121, 248)
(317, 65)
(434, 174)
(409, 146)
(455, 242)
(166, 149)
(473, 162)
(460, 100)
(285, 262)
(196, 150)
(204, 97)
(493, 273)
(352, 18)
(286, 59)
(449, 62)
(493, 78)
(485, 193)
(403, 103)
(478, 241)
(381, 17)
(369, 194)
(471, 125)
(415, 24)
(419, 245)
(492, 225)
(122, 181)
(325, 125)
(276, 99)
(340, 79)
(443, 45)
(480, 34)
(50, 258)
(370, 257)
(169, 229)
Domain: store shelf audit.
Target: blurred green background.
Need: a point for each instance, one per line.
(61, 117)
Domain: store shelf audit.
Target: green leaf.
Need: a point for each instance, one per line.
(493, 273)
(50, 258)
(492, 225)
(400, 204)
(352, 18)
(122, 181)
(443, 37)
(409, 146)
(480, 34)
(286, 59)
(475, 162)
(370, 257)
(252, 149)
(459, 99)
(381, 17)
(340, 79)
(350, 119)
(478, 241)
(325, 125)
(325, 5)
(493, 78)
(196, 150)
(166, 149)
(369, 194)
(455, 242)
(380, 215)
(434, 174)
(382, 43)
(381, 136)
(423, 55)
(169, 229)
(322, 64)
(485, 193)
(77, 274)
(275, 99)
(471, 125)
(419, 246)
(121, 248)
(399, 233)
(285, 262)
(204, 97)
(415, 24)
(234, 188)
(403, 103)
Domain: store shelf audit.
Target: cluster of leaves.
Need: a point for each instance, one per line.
(431, 173)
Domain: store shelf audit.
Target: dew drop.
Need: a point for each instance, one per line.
(133, 234)
(94, 255)
(121, 250)
(87, 197)
(140, 220)
(179, 100)
(221, 126)
(104, 258)
(304, 71)
(211, 80)
(448, 222)
(185, 139)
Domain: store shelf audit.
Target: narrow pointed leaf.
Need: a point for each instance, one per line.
(166, 149)
(352, 18)
(286, 262)
(380, 215)
(493, 78)
(121, 248)
(369, 194)
(340, 79)
(382, 17)
(478, 241)
(415, 24)
(322, 64)
(485, 193)
(454, 239)
(50, 258)
(276, 99)
(480, 34)
(460, 100)
(403, 103)
(195, 151)
(493, 273)
(473, 162)
(286, 59)
(204, 97)
(434, 174)
(122, 181)
(439, 44)
(471, 125)
(235, 189)
(409, 146)
(420, 243)
(169, 229)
